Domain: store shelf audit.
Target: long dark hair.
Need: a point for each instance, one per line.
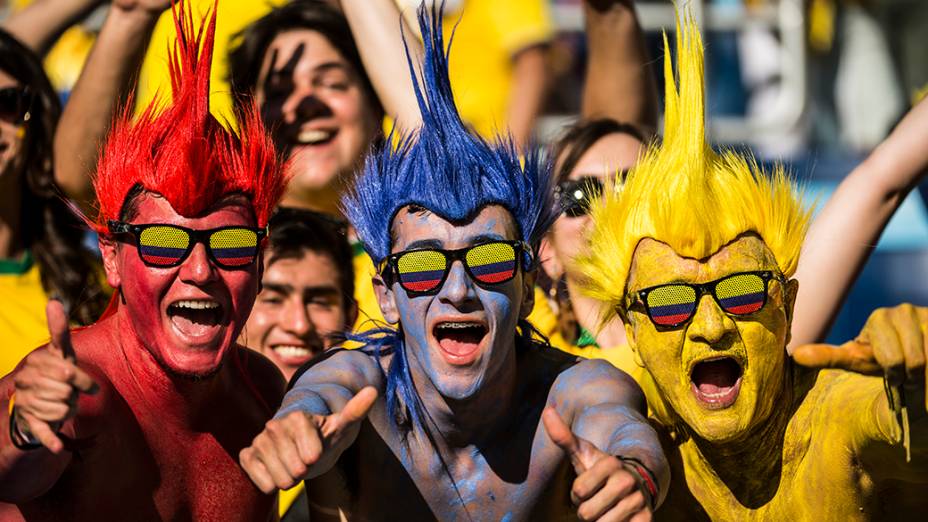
(578, 138)
(48, 228)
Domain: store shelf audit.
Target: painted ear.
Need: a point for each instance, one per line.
(386, 299)
(632, 345)
(789, 303)
(548, 260)
(528, 293)
(109, 250)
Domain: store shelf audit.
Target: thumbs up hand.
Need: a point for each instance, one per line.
(48, 384)
(605, 489)
(893, 343)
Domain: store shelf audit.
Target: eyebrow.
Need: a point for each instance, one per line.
(424, 243)
(283, 288)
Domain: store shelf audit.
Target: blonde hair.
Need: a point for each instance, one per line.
(685, 195)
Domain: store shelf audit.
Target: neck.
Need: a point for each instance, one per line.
(588, 312)
(10, 215)
(181, 400)
(466, 422)
(751, 464)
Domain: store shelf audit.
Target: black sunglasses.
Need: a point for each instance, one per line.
(674, 304)
(423, 271)
(574, 195)
(162, 246)
(15, 103)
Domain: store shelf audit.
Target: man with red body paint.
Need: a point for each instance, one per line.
(142, 414)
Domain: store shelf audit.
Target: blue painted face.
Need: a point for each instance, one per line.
(463, 335)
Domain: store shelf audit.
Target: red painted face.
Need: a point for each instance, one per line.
(186, 316)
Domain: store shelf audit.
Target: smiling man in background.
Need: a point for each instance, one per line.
(306, 297)
(143, 413)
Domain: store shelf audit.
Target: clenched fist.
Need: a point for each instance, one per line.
(301, 444)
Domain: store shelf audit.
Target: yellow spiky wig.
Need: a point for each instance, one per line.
(685, 195)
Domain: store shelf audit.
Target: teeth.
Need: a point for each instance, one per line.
(291, 351)
(313, 136)
(457, 325)
(197, 305)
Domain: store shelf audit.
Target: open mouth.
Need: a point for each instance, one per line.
(195, 318)
(315, 137)
(716, 382)
(293, 355)
(460, 340)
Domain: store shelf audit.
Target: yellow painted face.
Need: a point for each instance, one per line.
(719, 372)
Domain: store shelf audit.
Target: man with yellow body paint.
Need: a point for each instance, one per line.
(695, 253)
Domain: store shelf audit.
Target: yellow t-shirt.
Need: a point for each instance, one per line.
(233, 16)
(489, 35)
(22, 316)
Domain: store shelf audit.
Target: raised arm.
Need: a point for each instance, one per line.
(846, 231)
(375, 25)
(40, 23)
(319, 418)
(103, 86)
(598, 416)
(619, 83)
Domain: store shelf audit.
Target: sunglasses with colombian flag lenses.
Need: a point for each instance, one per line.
(674, 304)
(165, 246)
(15, 103)
(422, 272)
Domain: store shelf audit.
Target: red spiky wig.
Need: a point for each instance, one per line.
(183, 153)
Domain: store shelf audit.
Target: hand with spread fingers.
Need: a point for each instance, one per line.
(301, 445)
(607, 488)
(47, 387)
(893, 343)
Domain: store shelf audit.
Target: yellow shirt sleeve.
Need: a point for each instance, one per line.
(22, 316)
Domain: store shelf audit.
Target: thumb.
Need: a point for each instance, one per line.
(358, 407)
(852, 356)
(58, 328)
(560, 434)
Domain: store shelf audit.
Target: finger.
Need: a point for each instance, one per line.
(912, 341)
(49, 389)
(358, 407)
(83, 382)
(592, 480)
(58, 328)
(285, 450)
(626, 508)
(256, 471)
(266, 452)
(886, 344)
(43, 433)
(852, 356)
(47, 411)
(306, 435)
(615, 488)
(560, 434)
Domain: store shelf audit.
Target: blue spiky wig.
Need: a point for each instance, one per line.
(453, 173)
(444, 167)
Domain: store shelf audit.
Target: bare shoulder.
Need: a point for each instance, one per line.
(594, 381)
(352, 369)
(267, 380)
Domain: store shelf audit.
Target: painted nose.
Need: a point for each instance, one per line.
(710, 324)
(458, 288)
(197, 269)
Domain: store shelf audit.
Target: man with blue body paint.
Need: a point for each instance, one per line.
(457, 412)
